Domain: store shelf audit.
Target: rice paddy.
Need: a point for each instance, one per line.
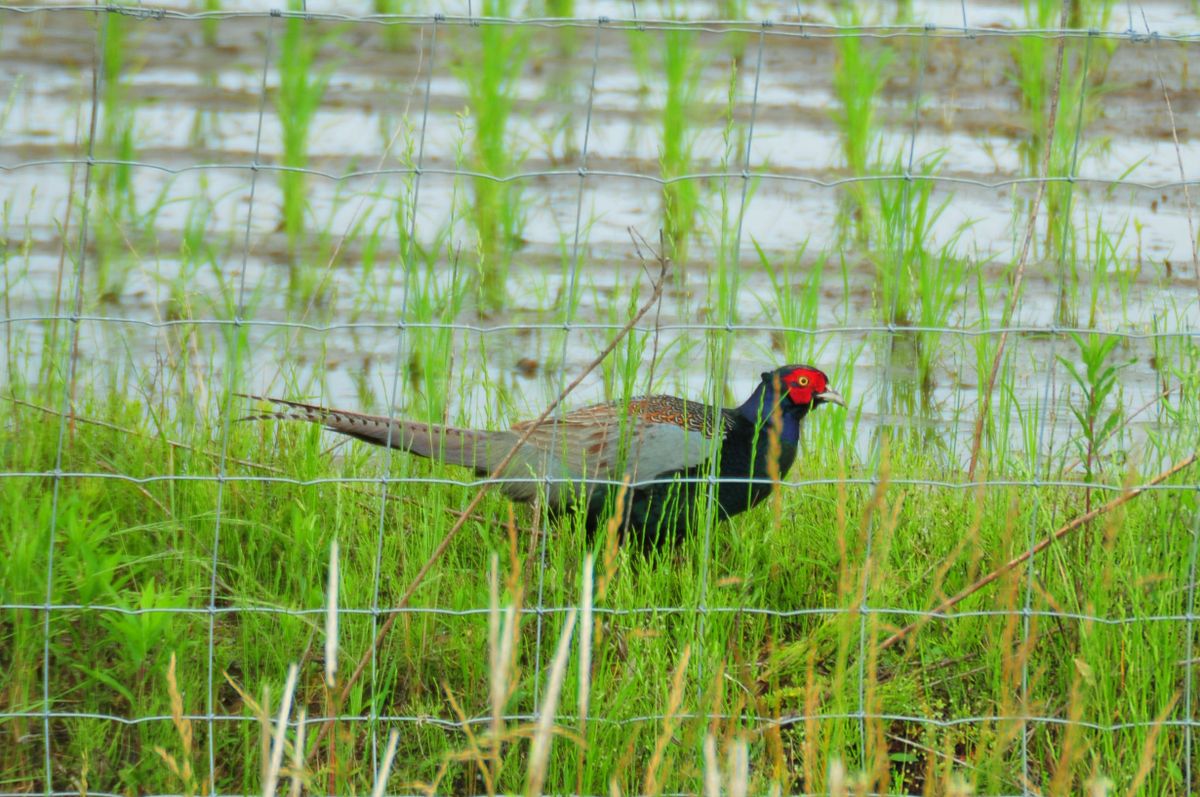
(984, 233)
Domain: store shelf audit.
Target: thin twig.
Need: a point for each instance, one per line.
(1026, 245)
(474, 502)
(1079, 521)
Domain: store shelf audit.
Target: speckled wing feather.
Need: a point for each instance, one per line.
(648, 437)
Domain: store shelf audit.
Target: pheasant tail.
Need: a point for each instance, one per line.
(479, 450)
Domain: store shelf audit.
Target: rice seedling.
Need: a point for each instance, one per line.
(1082, 83)
(681, 83)
(795, 303)
(859, 76)
(735, 194)
(491, 73)
(918, 283)
(302, 84)
(115, 199)
(210, 26)
(394, 35)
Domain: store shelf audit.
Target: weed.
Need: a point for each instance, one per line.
(1100, 412)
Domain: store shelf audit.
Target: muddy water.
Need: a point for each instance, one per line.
(399, 97)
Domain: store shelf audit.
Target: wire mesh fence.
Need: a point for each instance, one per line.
(978, 221)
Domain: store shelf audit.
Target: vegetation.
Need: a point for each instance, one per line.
(882, 625)
(491, 78)
(302, 83)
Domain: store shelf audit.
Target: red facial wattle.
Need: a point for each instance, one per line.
(804, 384)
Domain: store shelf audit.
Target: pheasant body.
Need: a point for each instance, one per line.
(665, 447)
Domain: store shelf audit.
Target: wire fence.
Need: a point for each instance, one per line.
(769, 152)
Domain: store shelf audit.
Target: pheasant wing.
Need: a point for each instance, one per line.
(648, 437)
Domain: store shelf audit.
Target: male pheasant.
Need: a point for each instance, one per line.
(665, 446)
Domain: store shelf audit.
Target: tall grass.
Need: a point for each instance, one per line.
(116, 626)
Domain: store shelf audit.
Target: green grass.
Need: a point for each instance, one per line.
(145, 548)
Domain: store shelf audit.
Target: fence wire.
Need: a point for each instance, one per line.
(737, 181)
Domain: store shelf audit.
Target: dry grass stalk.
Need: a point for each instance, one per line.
(502, 634)
(651, 785)
(385, 767)
(296, 770)
(585, 665)
(474, 751)
(181, 769)
(738, 769)
(712, 770)
(263, 712)
(585, 643)
(836, 782)
(612, 539)
(331, 618)
(285, 710)
(539, 750)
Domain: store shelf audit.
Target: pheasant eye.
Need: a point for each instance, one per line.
(802, 381)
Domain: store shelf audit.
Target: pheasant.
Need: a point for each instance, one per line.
(664, 446)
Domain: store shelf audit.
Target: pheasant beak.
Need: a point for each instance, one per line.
(831, 397)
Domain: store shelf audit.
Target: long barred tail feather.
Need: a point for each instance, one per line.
(466, 447)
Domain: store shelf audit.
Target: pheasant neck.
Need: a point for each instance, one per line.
(763, 404)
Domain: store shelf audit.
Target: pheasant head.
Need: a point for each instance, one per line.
(804, 386)
(790, 391)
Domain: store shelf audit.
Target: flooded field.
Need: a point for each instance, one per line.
(369, 263)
